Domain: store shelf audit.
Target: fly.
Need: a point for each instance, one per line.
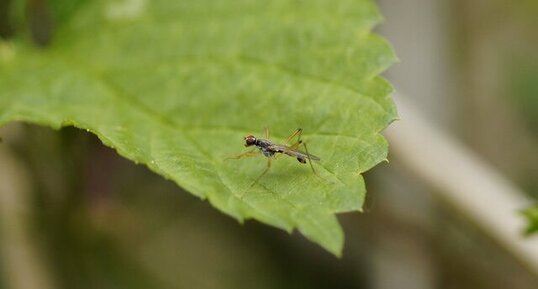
(271, 150)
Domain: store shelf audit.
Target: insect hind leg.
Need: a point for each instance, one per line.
(309, 160)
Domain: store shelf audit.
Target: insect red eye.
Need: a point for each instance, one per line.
(250, 140)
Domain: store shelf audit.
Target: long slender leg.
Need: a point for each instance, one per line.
(310, 161)
(298, 133)
(266, 133)
(259, 177)
(296, 144)
(248, 154)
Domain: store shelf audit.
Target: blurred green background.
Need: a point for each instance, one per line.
(471, 66)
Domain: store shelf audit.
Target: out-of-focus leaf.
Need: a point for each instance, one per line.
(532, 216)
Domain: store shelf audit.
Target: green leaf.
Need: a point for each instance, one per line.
(531, 214)
(176, 85)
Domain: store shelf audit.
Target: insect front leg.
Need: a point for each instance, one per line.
(260, 176)
(248, 154)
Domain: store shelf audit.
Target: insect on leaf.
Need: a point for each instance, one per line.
(176, 85)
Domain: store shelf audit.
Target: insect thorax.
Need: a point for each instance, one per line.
(266, 152)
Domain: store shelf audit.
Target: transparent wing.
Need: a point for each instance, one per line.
(293, 152)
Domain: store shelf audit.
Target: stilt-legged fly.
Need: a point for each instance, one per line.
(271, 151)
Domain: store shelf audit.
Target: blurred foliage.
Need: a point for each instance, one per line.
(176, 85)
(524, 87)
(499, 73)
(521, 63)
(532, 216)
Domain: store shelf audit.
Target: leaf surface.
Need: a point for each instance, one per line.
(176, 85)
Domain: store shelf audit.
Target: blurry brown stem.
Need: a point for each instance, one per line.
(464, 180)
(24, 267)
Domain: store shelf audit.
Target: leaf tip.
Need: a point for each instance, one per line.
(337, 251)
